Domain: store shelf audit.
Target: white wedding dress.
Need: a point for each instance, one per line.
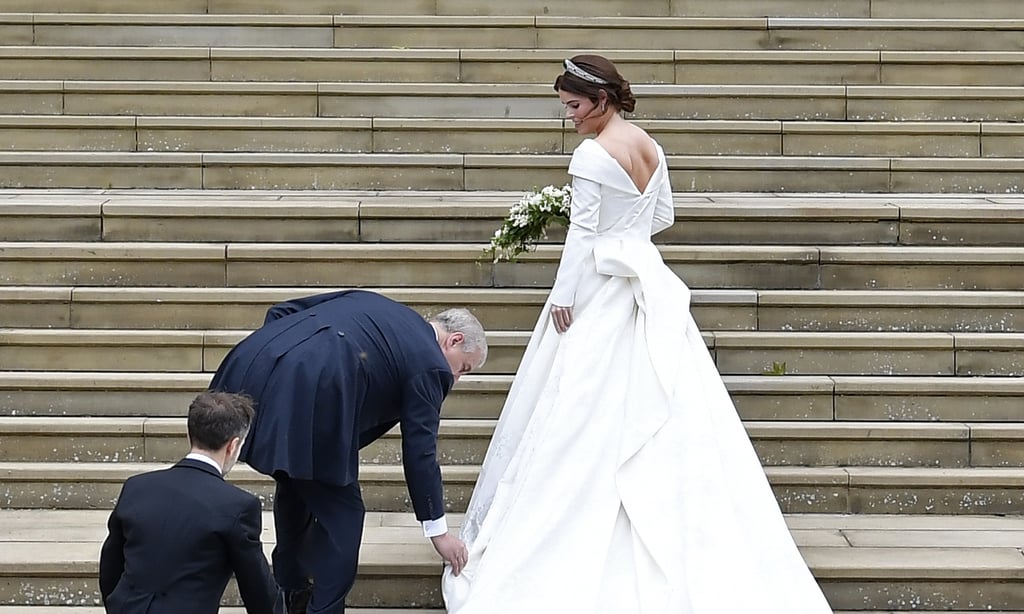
(620, 479)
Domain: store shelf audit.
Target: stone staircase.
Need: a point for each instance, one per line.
(892, 438)
(844, 169)
(846, 95)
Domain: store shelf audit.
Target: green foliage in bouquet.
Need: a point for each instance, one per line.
(528, 221)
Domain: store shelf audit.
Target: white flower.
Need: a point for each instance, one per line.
(534, 211)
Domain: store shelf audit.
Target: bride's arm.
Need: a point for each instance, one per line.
(579, 240)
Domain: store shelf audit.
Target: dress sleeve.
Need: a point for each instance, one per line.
(579, 240)
(664, 210)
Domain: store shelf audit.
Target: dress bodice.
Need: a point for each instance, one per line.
(624, 210)
(608, 206)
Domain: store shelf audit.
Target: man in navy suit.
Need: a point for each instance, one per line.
(330, 374)
(176, 535)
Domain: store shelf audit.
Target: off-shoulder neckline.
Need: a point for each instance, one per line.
(625, 173)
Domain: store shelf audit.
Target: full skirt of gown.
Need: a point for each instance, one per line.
(620, 479)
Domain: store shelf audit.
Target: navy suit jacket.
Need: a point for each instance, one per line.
(332, 373)
(176, 536)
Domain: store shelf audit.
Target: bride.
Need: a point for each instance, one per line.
(620, 479)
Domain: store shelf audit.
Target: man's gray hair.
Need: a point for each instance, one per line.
(459, 320)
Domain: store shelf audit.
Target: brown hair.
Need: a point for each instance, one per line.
(215, 418)
(617, 88)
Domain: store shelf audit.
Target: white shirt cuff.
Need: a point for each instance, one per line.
(433, 528)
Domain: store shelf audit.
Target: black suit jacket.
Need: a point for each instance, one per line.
(330, 374)
(175, 537)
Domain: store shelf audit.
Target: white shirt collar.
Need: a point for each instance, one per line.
(206, 459)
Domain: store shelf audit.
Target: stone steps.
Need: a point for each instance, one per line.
(245, 308)
(991, 9)
(880, 81)
(839, 490)
(511, 32)
(398, 568)
(526, 100)
(298, 171)
(464, 442)
(495, 65)
(879, 563)
(735, 352)
(538, 136)
(682, 33)
(120, 264)
(757, 397)
(114, 133)
(458, 217)
(900, 407)
(234, 308)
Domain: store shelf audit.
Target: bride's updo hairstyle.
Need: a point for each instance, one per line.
(587, 75)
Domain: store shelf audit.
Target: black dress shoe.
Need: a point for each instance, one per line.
(298, 600)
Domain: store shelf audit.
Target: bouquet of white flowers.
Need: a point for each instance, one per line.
(528, 221)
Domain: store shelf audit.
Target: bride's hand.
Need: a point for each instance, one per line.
(562, 318)
(452, 550)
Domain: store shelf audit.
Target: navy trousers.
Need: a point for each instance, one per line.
(319, 529)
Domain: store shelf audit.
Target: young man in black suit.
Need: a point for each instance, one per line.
(330, 374)
(176, 535)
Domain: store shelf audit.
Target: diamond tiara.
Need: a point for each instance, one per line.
(575, 70)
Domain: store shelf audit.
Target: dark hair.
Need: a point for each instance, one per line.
(215, 418)
(617, 88)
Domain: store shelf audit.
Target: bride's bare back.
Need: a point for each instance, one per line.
(633, 149)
